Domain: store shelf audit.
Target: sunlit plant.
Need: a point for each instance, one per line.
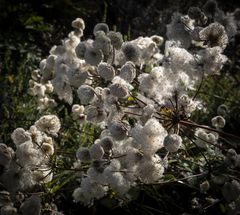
(138, 100)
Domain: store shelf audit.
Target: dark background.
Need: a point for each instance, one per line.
(134, 17)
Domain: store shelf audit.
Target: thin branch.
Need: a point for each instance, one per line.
(189, 123)
(200, 86)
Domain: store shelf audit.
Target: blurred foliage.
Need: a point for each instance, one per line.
(220, 90)
(17, 108)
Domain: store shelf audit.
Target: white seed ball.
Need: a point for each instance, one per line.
(222, 110)
(157, 39)
(204, 186)
(31, 206)
(20, 136)
(101, 27)
(93, 56)
(218, 122)
(8, 210)
(79, 109)
(117, 131)
(96, 151)
(131, 52)
(128, 72)
(172, 142)
(106, 71)
(118, 90)
(48, 148)
(102, 42)
(231, 190)
(116, 39)
(85, 94)
(80, 50)
(107, 143)
(6, 154)
(83, 155)
(78, 23)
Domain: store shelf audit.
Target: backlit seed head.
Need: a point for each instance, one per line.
(116, 39)
(131, 52)
(106, 71)
(85, 94)
(172, 142)
(118, 90)
(101, 27)
(118, 131)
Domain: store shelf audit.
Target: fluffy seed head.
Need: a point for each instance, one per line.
(172, 142)
(118, 90)
(8, 210)
(31, 206)
(81, 49)
(78, 23)
(48, 123)
(218, 121)
(128, 72)
(117, 131)
(204, 186)
(194, 12)
(48, 148)
(106, 71)
(19, 136)
(237, 14)
(101, 27)
(210, 8)
(215, 34)
(231, 153)
(116, 39)
(85, 94)
(131, 52)
(231, 190)
(77, 109)
(102, 42)
(157, 39)
(83, 155)
(107, 143)
(6, 154)
(96, 151)
(93, 56)
(222, 110)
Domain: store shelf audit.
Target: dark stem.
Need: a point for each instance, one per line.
(188, 123)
